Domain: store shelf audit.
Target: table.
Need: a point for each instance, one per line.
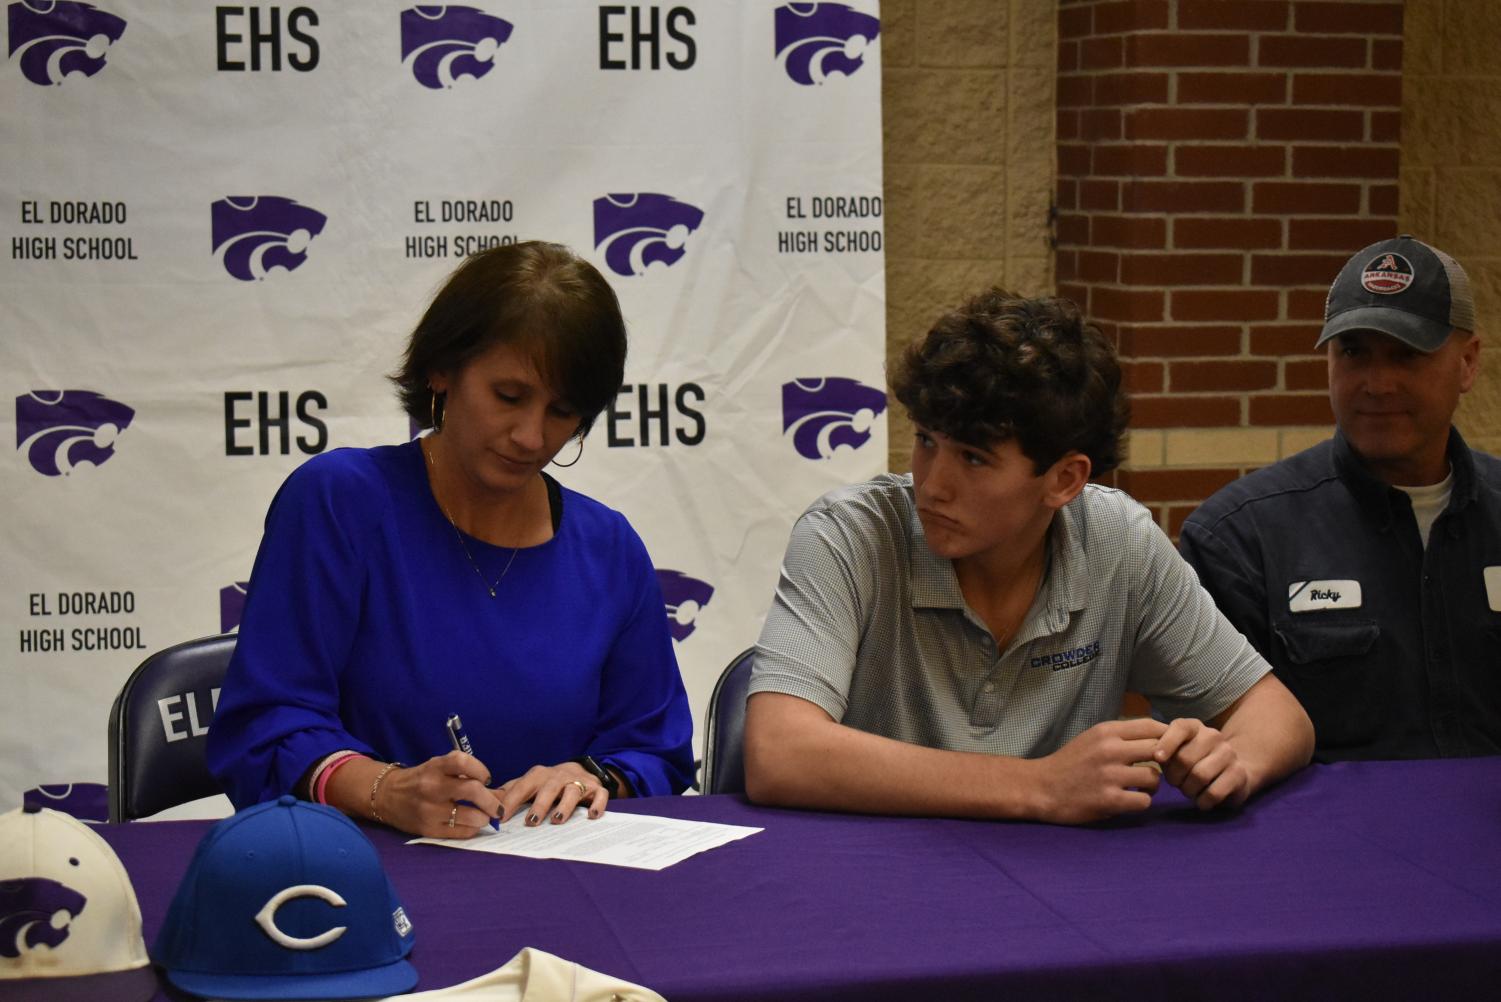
(1358, 880)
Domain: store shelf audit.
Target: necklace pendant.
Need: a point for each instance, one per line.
(460, 536)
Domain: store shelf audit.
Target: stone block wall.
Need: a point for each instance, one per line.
(1451, 169)
(967, 112)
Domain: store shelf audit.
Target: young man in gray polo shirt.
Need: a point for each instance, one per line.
(957, 641)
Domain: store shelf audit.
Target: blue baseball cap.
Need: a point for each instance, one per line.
(286, 900)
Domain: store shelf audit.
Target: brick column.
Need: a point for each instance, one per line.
(1217, 163)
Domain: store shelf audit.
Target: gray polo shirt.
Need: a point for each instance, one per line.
(870, 625)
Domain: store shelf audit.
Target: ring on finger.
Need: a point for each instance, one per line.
(453, 815)
(583, 790)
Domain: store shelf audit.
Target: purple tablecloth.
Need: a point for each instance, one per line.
(1361, 880)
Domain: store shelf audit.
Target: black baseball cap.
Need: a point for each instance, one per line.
(1402, 287)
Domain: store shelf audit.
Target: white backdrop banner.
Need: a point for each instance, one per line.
(218, 224)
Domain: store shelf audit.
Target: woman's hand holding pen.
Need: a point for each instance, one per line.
(444, 797)
(554, 791)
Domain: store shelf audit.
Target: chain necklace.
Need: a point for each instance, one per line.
(429, 453)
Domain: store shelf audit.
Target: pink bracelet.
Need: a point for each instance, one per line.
(320, 790)
(317, 770)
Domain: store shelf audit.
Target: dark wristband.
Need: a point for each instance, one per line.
(598, 771)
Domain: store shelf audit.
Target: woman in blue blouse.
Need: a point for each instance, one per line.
(397, 585)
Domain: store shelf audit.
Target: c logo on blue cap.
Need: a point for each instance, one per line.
(266, 917)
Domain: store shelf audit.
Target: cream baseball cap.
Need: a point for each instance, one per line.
(70, 927)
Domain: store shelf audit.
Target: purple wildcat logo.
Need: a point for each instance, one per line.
(254, 234)
(61, 430)
(31, 914)
(637, 231)
(442, 45)
(685, 598)
(232, 606)
(54, 40)
(84, 801)
(825, 415)
(814, 40)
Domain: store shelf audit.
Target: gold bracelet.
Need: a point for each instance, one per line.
(375, 788)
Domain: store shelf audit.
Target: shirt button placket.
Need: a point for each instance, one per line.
(1442, 685)
(987, 709)
(987, 705)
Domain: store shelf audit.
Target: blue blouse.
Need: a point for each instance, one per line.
(365, 626)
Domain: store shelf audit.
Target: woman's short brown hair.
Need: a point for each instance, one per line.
(540, 296)
(1002, 367)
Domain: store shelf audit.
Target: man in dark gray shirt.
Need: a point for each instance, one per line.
(1367, 569)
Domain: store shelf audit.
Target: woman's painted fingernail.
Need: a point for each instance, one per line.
(557, 816)
(532, 819)
(594, 812)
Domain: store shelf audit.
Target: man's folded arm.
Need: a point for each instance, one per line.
(1269, 730)
(796, 755)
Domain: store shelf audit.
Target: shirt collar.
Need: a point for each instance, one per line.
(1068, 576)
(1462, 465)
(1377, 497)
(933, 583)
(1065, 588)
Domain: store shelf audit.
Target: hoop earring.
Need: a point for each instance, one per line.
(579, 455)
(435, 419)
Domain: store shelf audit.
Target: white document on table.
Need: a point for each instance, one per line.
(636, 840)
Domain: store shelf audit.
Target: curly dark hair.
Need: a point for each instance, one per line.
(1002, 367)
(541, 296)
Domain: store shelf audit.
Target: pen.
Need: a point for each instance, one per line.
(456, 735)
(460, 741)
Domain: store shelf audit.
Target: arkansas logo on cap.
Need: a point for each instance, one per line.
(1386, 273)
